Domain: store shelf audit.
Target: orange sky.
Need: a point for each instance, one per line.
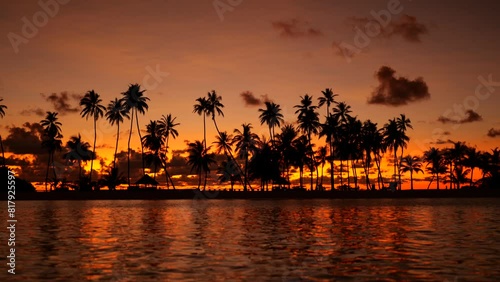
(282, 49)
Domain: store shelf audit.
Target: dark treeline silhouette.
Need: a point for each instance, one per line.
(353, 150)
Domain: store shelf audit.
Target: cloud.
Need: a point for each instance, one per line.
(441, 142)
(397, 91)
(470, 116)
(62, 102)
(25, 139)
(250, 99)
(295, 28)
(493, 132)
(406, 26)
(37, 111)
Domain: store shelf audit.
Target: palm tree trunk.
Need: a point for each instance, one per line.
(205, 182)
(54, 169)
(3, 154)
(128, 151)
(226, 151)
(47, 173)
(399, 168)
(246, 173)
(411, 179)
(348, 175)
(341, 173)
(471, 175)
(199, 180)
(116, 146)
(437, 180)
(93, 152)
(140, 141)
(204, 132)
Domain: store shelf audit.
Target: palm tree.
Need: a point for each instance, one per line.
(78, 151)
(403, 124)
(434, 158)
(369, 137)
(327, 99)
(330, 129)
(285, 145)
(472, 160)
(51, 140)
(247, 143)
(92, 107)
(411, 164)
(167, 126)
(455, 157)
(2, 114)
(272, 116)
(202, 109)
(342, 112)
(395, 138)
(223, 143)
(200, 160)
(321, 157)
(228, 172)
(308, 121)
(154, 142)
(115, 113)
(135, 101)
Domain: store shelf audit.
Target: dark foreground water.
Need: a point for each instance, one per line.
(265, 240)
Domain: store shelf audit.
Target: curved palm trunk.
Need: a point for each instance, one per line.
(379, 176)
(3, 154)
(140, 141)
(116, 146)
(128, 151)
(47, 173)
(93, 152)
(230, 154)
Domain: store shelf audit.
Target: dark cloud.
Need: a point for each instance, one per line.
(446, 133)
(63, 101)
(295, 28)
(37, 111)
(493, 132)
(407, 27)
(397, 91)
(441, 142)
(25, 139)
(250, 99)
(470, 116)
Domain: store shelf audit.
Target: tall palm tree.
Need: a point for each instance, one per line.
(168, 126)
(321, 158)
(329, 129)
(153, 140)
(472, 160)
(285, 145)
(200, 160)
(411, 164)
(92, 108)
(369, 136)
(247, 144)
(201, 108)
(342, 112)
(223, 143)
(308, 122)
(327, 99)
(403, 124)
(135, 101)
(272, 116)
(115, 113)
(435, 164)
(228, 172)
(455, 157)
(395, 138)
(2, 114)
(78, 151)
(51, 140)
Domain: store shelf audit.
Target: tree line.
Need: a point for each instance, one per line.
(250, 159)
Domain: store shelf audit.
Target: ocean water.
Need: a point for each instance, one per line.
(256, 240)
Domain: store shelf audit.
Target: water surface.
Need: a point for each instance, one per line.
(258, 240)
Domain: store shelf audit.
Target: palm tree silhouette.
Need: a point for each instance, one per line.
(153, 140)
(300, 155)
(395, 138)
(455, 157)
(202, 109)
(328, 99)
(246, 144)
(321, 158)
(434, 158)
(200, 160)
(330, 130)
(472, 160)
(167, 128)
(115, 113)
(403, 124)
(92, 107)
(78, 151)
(2, 114)
(369, 137)
(411, 164)
(285, 145)
(228, 172)
(272, 116)
(51, 141)
(135, 101)
(308, 123)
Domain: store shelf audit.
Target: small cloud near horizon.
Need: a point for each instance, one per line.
(493, 133)
(397, 91)
(470, 116)
(295, 28)
(251, 100)
(62, 102)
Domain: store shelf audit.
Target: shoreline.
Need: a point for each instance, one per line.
(195, 194)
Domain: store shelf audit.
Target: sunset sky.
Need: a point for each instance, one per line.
(435, 61)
